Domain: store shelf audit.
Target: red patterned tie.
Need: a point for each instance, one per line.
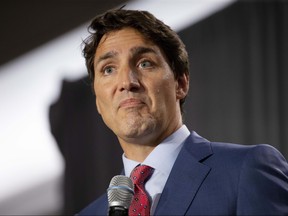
(140, 204)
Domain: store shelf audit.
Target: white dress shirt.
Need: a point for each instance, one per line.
(162, 159)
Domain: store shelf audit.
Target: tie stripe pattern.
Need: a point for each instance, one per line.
(140, 204)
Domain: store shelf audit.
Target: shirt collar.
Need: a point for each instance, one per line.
(164, 155)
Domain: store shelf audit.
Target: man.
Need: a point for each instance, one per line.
(140, 74)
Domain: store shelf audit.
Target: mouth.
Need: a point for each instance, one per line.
(131, 103)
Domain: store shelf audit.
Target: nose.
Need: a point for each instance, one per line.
(128, 80)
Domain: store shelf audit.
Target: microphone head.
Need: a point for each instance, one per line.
(120, 191)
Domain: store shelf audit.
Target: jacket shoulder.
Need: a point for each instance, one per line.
(98, 207)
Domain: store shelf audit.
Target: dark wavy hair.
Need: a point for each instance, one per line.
(149, 26)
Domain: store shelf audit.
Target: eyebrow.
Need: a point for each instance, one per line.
(136, 51)
(110, 54)
(140, 50)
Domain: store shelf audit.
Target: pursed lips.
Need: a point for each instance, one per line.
(131, 102)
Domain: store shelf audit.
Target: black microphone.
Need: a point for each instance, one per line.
(120, 194)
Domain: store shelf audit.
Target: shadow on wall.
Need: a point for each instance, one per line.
(91, 151)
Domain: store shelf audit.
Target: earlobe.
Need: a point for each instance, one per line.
(180, 94)
(182, 86)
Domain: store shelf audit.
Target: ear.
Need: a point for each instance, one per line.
(182, 87)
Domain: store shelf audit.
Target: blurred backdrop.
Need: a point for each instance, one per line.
(56, 155)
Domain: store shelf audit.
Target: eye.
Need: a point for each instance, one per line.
(145, 64)
(108, 70)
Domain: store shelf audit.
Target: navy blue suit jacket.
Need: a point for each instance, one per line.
(210, 178)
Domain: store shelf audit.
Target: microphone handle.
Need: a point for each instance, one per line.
(117, 211)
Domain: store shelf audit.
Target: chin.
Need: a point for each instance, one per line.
(136, 129)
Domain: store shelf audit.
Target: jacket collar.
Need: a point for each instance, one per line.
(186, 176)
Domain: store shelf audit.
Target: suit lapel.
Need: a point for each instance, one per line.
(186, 177)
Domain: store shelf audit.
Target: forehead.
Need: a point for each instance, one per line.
(122, 39)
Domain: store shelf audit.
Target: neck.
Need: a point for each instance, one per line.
(137, 152)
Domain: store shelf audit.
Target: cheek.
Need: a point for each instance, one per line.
(101, 99)
(98, 106)
(165, 92)
(97, 98)
(168, 87)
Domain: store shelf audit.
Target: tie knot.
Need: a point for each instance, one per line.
(141, 174)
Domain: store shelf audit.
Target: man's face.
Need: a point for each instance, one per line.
(136, 92)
